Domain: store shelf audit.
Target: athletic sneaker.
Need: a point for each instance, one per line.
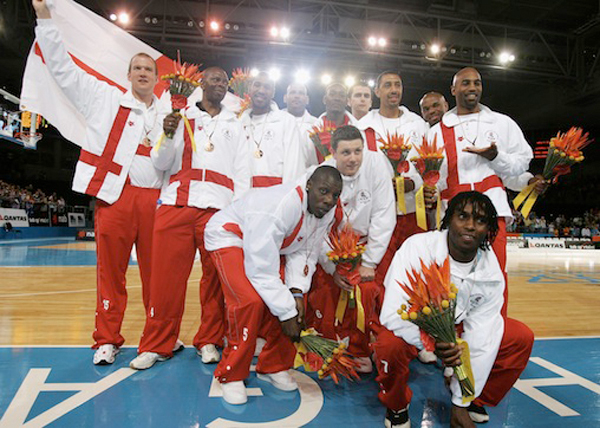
(146, 360)
(427, 357)
(179, 346)
(478, 414)
(397, 419)
(366, 365)
(234, 392)
(105, 354)
(209, 354)
(282, 380)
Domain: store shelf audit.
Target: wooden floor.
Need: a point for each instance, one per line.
(556, 294)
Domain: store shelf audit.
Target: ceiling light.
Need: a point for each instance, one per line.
(274, 74)
(349, 81)
(123, 17)
(302, 76)
(326, 79)
(214, 25)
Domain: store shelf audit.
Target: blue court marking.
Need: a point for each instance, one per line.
(31, 252)
(175, 393)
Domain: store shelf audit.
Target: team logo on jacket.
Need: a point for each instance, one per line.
(131, 123)
(269, 134)
(226, 134)
(363, 197)
(413, 137)
(475, 301)
(491, 137)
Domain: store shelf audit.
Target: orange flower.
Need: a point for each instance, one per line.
(571, 142)
(430, 151)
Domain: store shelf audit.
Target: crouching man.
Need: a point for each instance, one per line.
(249, 242)
(499, 347)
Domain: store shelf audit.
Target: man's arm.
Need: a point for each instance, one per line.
(163, 156)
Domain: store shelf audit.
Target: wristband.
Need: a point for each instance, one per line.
(298, 295)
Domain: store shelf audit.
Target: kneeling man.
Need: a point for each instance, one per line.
(248, 242)
(499, 347)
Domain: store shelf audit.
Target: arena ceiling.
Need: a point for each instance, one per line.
(555, 43)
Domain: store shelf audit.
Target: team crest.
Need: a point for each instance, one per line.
(491, 137)
(269, 134)
(226, 134)
(475, 301)
(363, 197)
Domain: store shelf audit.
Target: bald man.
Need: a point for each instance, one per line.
(334, 117)
(484, 150)
(433, 106)
(296, 99)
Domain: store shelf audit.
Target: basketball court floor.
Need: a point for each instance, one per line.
(47, 299)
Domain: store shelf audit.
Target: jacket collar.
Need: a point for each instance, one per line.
(451, 118)
(194, 112)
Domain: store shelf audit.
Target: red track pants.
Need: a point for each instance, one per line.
(117, 227)
(322, 303)
(178, 232)
(406, 226)
(248, 317)
(393, 354)
(499, 248)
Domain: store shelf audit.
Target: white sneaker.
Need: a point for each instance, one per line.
(179, 346)
(260, 344)
(105, 354)
(209, 354)
(282, 380)
(146, 360)
(234, 392)
(366, 365)
(427, 357)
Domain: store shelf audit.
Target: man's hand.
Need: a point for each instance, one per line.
(41, 9)
(291, 328)
(366, 273)
(449, 353)
(409, 185)
(170, 123)
(541, 185)
(301, 311)
(460, 418)
(489, 152)
(430, 197)
(342, 282)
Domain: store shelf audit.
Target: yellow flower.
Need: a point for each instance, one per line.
(320, 373)
(413, 315)
(452, 296)
(427, 310)
(329, 360)
(404, 316)
(445, 304)
(403, 307)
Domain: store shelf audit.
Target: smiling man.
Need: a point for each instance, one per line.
(499, 347)
(248, 241)
(485, 151)
(433, 106)
(367, 204)
(202, 179)
(114, 167)
(273, 137)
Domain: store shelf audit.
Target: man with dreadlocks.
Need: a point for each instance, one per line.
(500, 347)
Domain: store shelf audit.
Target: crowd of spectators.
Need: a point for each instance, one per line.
(583, 227)
(9, 123)
(13, 196)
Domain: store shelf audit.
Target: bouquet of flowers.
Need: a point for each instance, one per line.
(564, 151)
(240, 84)
(325, 356)
(321, 138)
(428, 164)
(346, 253)
(396, 151)
(182, 83)
(431, 307)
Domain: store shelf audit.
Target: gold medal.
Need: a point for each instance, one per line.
(258, 154)
(209, 146)
(146, 142)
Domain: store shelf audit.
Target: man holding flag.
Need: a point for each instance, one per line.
(114, 165)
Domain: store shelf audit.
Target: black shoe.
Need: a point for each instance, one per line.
(397, 419)
(478, 414)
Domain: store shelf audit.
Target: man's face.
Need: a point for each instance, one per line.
(349, 156)
(296, 98)
(433, 107)
(361, 99)
(323, 193)
(335, 99)
(467, 88)
(467, 229)
(142, 75)
(389, 90)
(214, 85)
(261, 92)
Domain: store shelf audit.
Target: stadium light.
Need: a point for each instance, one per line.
(113, 16)
(274, 31)
(435, 48)
(254, 72)
(372, 41)
(302, 76)
(349, 81)
(371, 83)
(326, 79)
(382, 42)
(285, 33)
(214, 25)
(124, 18)
(506, 57)
(274, 74)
